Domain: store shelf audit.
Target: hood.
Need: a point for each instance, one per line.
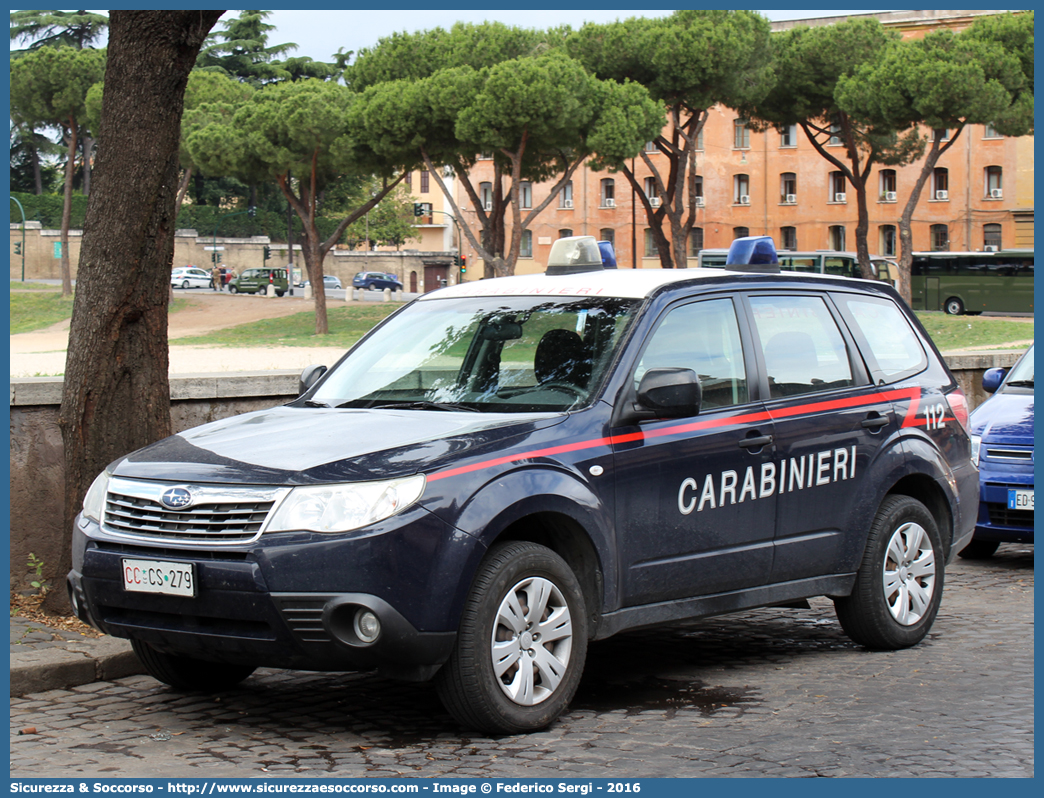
(306, 445)
(1005, 417)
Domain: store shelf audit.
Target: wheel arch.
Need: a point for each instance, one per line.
(926, 490)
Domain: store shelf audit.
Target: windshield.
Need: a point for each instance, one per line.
(1022, 374)
(494, 354)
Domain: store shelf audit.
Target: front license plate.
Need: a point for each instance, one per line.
(157, 576)
(1020, 499)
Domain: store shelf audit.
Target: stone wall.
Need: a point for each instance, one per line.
(37, 479)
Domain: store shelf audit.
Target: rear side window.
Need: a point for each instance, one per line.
(888, 335)
(803, 348)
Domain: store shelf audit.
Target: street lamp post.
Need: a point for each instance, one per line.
(20, 208)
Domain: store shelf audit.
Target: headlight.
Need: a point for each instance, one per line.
(94, 501)
(976, 442)
(341, 508)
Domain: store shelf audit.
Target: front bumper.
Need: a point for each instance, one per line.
(289, 600)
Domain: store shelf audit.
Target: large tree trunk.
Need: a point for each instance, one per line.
(70, 167)
(116, 396)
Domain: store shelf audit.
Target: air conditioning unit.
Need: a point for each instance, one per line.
(791, 198)
(488, 206)
(941, 195)
(654, 202)
(698, 201)
(989, 248)
(610, 202)
(567, 204)
(890, 196)
(840, 197)
(744, 199)
(996, 193)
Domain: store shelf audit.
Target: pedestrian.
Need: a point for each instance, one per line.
(215, 278)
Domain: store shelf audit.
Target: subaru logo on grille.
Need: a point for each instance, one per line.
(176, 498)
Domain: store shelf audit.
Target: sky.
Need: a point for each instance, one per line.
(319, 34)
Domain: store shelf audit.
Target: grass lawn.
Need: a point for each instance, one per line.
(34, 310)
(963, 332)
(18, 285)
(347, 325)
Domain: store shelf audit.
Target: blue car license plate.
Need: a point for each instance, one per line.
(1020, 499)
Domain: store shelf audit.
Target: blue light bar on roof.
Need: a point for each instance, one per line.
(753, 254)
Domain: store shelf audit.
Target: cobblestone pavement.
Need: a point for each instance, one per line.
(773, 692)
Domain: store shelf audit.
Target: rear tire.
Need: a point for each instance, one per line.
(899, 583)
(184, 283)
(186, 673)
(954, 307)
(979, 550)
(521, 644)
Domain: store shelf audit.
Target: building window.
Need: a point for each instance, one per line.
(888, 240)
(697, 185)
(526, 250)
(788, 237)
(409, 180)
(835, 134)
(486, 196)
(565, 196)
(607, 234)
(485, 156)
(940, 134)
(838, 187)
(788, 136)
(565, 233)
(608, 193)
(991, 235)
(837, 237)
(650, 245)
(994, 182)
(887, 183)
(940, 235)
(695, 241)
(525, 194)
(741, 189)
(940, 183)
(740, 135)
(650, 186)
(699, 140)
(650, 146)
(424, 186)
(989, 132)
(788, 187)
(740, 232)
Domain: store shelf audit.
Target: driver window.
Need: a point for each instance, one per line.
(704, 337)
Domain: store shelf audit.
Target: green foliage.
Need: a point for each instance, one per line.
(36, 565)
(77, 29)
(47, 209)
(50, 85)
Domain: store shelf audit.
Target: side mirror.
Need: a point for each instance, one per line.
(309, 377)
(669, 393)
(992, 379)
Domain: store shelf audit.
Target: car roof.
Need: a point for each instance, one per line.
(622, 283)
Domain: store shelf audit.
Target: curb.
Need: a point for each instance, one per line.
(74, 664)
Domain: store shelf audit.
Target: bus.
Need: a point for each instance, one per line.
(823, 261)
(972, 282)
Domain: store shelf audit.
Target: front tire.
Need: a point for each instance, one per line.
(521, 644)
(899, 584)
(954, 307)
(979, 550)
(188, 674)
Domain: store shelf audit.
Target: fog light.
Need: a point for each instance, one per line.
(367, 627)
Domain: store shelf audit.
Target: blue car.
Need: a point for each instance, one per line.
(1002, 438)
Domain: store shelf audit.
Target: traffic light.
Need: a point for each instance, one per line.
(213, 257)
(252, 211)
(18, 248)
(463, 260)
(268, 252)
(418, 209)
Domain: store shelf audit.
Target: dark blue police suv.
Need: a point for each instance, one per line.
(505, 470)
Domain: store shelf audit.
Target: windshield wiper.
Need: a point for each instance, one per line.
(1022, 383)
(314, 403)
(422, 405)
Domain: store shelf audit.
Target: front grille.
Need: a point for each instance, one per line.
(304, 617)
(1015, 455)
(216, 515)
(1000, 515)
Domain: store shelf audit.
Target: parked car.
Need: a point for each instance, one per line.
(189, 277)
(507, 469)
(376, 281)
(329, 281)
(1002, 440)
(253, 280)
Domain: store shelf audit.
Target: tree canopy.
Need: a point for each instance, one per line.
(78, 29)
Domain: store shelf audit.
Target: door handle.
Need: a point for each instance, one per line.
(755, 443)
(874, 422)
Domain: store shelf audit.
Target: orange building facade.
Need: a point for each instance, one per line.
(980, 195)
